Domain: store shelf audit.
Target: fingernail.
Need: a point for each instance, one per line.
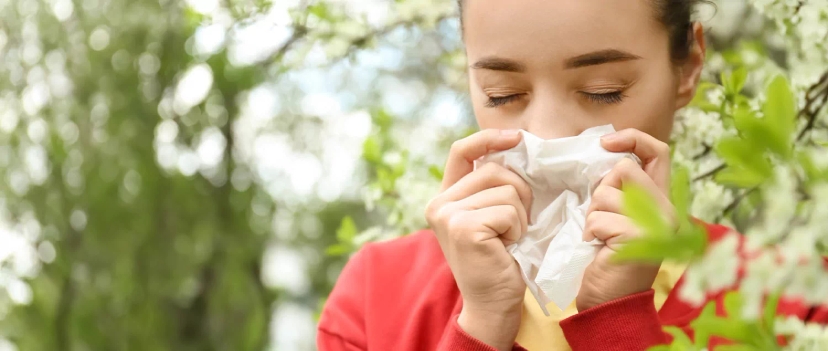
(610, 137)
(509, 132)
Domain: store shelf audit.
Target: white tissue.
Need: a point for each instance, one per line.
(562, 174)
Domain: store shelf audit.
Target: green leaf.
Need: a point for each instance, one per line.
(780, 112)
(727, 328)
(812, 172)
(383, 119)
(680, 191)
(659, 242)
(732, 57)
(700, 99)
(320, 10)
(735, 81)
(646, 248)
(435, 172)
(701, 334)
(680, 247)
(733, 303)
(737, 152)
(679, 336)
(643, 209)
(386, 179)
(769, 314)
(749, 125)
(737, 347)
(337, 250)
(371, 150)
(739, 177)
(347, 230)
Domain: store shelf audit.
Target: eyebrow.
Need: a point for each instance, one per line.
(599, 57)
(499, 64)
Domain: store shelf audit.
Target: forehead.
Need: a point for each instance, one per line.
(535, 29)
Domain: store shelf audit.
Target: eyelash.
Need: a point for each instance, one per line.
(604, 98)
(503, 100)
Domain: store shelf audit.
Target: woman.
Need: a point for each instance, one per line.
(554, 69)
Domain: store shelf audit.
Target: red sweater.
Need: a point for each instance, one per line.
(400, 295)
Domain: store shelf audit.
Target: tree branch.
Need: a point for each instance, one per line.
(711, 172)
(733, 204)
(705, 152)
(811, 109)
(299, 33)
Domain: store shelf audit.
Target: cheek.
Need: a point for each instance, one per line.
(652, 107)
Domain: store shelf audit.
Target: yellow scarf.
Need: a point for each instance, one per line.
(539, 332)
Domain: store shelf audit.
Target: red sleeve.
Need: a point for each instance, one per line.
(342, 324)
(818, 315)
(457, 339)
(628, 323)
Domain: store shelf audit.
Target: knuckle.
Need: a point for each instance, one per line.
(431, 210)
(445, 215)
(589, 221)
(613, 174)
(490, 170)
(524, 189)
(512, 213)
(599, 198)
(439, 214)
(662, 148)
(599, 192)
(455, 225)
(627, 164)
(511, 191)
(457, 146)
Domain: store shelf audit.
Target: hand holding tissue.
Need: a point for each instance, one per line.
(563, 175)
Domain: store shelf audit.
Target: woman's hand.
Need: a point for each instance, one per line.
(605, 280)
(475, 216)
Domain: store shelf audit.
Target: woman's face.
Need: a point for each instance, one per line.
(556, 68)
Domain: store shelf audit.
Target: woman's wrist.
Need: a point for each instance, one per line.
(496, 328)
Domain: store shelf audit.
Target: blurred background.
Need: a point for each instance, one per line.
(192, 175)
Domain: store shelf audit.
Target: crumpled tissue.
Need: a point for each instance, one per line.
(562, 174)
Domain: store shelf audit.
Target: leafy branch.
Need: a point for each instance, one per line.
(815, 99)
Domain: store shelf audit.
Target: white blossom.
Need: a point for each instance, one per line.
(715, 272)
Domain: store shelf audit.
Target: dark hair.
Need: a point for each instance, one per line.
(675, 15)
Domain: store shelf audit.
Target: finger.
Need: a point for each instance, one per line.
(465, 151)
(626, 172)
(502, 195)
(496, 222)
(654, 153)
(611, 228)
(606, 198)
(491, 175)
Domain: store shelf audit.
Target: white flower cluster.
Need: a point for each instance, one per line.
(806, 336)
(804, 25)
(430, 11)
(415, 190)
(785, 232)
(709, 200)
(718, 270)
(780, 203)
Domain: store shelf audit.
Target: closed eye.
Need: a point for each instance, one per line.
(605, 98)
(502, 100)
